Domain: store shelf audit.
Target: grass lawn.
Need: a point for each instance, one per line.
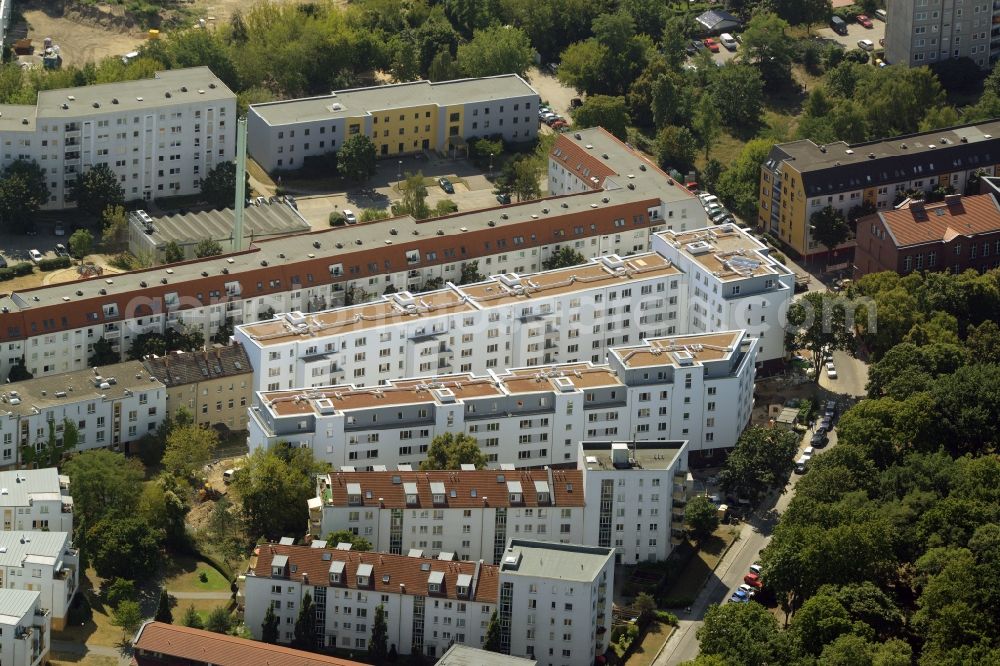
(654, 639)
(691, 580)
(96, 631)
(201, 606)
(89, 660)
(182, 575)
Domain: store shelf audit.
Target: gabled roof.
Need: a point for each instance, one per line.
(714, 17)
(177, 368)
(941, 222)
(183, 646)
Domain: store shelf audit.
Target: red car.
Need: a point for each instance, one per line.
(864, 20)
(711, 44)
(753, 580)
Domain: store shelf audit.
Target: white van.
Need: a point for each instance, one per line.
(728, 41)
(880, 14)
(807, 452)
(227, 476)
(350, 217)
(800, 465)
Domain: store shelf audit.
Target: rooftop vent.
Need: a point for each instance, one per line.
(97, 105)
(212, 86)
(184, 89)
(167, 94)
(114, 100)
(263, 262)
(316, 244)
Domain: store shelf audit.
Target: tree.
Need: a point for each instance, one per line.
(81, 243)
(23, 190)
(819, 321)
(273, 487)
(761, 461)
(470, 273)
(96, 189)
(739, 184)
(802, 12)
(676, 148)
(305, 625)
(124, 548)
(605, 111)
(103, 354)
(443, 67)
(451, 451)
(737, 92)
(120, 590)
(701, 518)
(646, 605)
(105, 485)
(358, 543)
(741, 634)
(218, 187)
(115, 224)
(499, 49)
(610, 60)
(563, 258)
(373, 215)
(128, 616)
(172, 253)
(163, 612)
(491, 640)
(192, 619)
(378, 648)
(356, 158)
(526, 174)
(163, 508)
(207, 247)
(829, 227)
(767, 46)
(51, 454)
(269, 629)
(707, 122)
(18, 373)
(820, 621)
(414, 201)
(219, 620)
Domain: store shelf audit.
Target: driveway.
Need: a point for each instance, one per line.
(852, 376)
(553, 93)
(855, 31)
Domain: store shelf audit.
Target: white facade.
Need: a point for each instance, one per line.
(110, 406)
(923, 33)
(25, 628)
(555, 602)
(42, 562)
(731, 282)
(635, 495)
(470, 513)
(160, 136)
(432, 603)
(36, 499)
(696, 388)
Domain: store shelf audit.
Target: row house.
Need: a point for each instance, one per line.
(42, 562)
(25, 628)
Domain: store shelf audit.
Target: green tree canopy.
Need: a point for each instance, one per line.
(23, 190)
(207, 247)
(499, 49)
(701, 518)
(829, 227)
(737, 92)
(451, 451)
(605, 111)
(762, 461)
(189, 449)
(124, 548)
(564, 257)
(356, 158)
(218, 187)
(97, 188)
(269, 630)
(163, 612)
(81, 243)
(358, 543)
(172, 253)
(304, 634)
(676, 148)
(378, 648)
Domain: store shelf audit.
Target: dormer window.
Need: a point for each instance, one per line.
(336, 573)
(543, 498)
(354, 494)
(438, 499)
(514, 492)
(542, 493)
(435, 582)
(461, 591)
(334, 577)
(438, 492)
(412, 497)
(279, 566)
(364, 575)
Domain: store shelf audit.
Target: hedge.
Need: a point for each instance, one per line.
(54, 264)
(17, 270)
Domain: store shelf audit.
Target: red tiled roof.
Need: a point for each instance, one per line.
(183, 645)
(488, 490)
(411, 572)
(581, 163)
(930, 223)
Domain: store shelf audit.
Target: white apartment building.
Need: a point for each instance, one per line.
(42, 562)
(53, 328)
(159, 135)
(400, 119)
(923, 32)
(432, 603)
(25, 628)
(635, 494)
(570, 315)
(36, 499)
(469, 513)
(569, 586)
(697, 388)
(731, 282)
(110, 406)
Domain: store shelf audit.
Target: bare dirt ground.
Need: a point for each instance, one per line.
(551, 91)
(79, 42)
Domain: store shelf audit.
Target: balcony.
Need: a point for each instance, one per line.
(680, 497)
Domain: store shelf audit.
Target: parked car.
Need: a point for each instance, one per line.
(741, 594)
(711, 45)
(350, 217)
(446, 185)
(801, 465)
(881, 15)
(866, 45)
(865, 21)
(559, 124)
(3, 263)
(831, 370)
(825, 424)
(61, 250)
(707, 198)
(831, 408)
(753, 580)
(59, 230)
(839, 25)
(690, 48)
(698, 45)
(718, 215)
(819, 440)
(749, 590)
(35, 255)
(728, 41)
(756, 568)
(503, 199)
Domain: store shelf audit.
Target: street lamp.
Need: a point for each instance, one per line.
(399, 171)
(491, 165)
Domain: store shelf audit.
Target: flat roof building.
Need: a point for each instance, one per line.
(25, 628)
(463, 655)
(43, 562)
(36, 499)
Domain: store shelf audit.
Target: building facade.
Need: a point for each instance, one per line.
(695, 388)
(110, 406)
(25, 628)
(400, 119)
(954, 235)
(801, 178)
(469, 513)
(432, 603)
(635, 493)
(923, 32)
(42, 562)
(160, 136)
(53, 328)
(36, 499)
(213, 385)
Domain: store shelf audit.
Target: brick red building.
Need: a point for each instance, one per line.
(954, 235)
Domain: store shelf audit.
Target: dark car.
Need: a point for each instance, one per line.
(61, 250)
(446, 185)
(698, 44)
(826, 424)
(503, 199)
(819, 440)
(691, 48)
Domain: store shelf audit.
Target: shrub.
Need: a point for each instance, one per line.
(666, 618)
(54, 264)
(676, 602)
(23, 268)
(125, 261)
(337, 219)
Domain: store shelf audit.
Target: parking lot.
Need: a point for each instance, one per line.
(855, 31)
(15, 247)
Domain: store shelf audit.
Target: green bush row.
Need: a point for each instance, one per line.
(17, 270)
(54, 264)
